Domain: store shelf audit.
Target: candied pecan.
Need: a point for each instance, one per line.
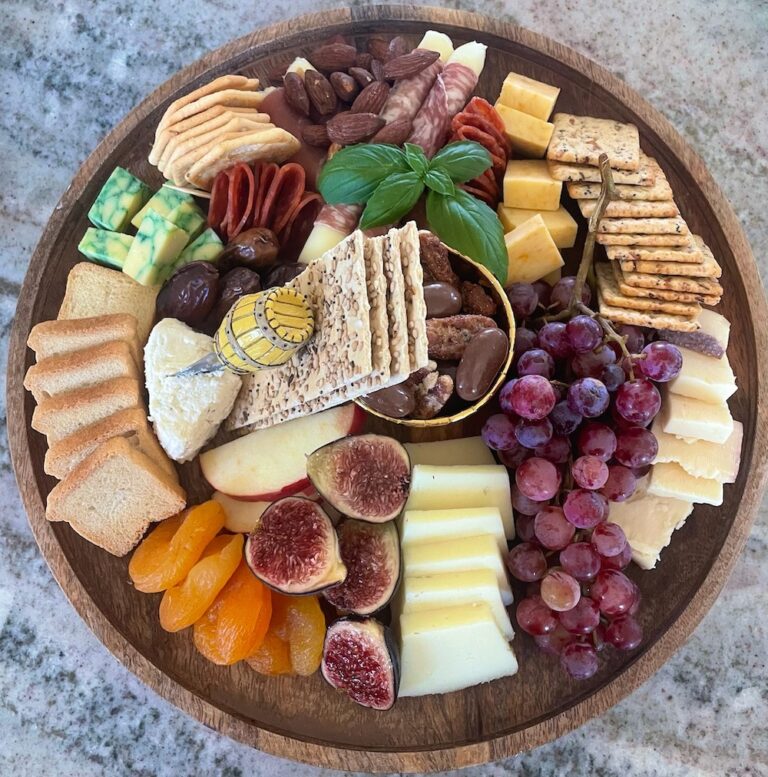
(475, 299)
(417, 377)
(448, 337)
(432, 396)
(434, 260)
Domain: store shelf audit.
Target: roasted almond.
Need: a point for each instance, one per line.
(295, 93)
(315, 135)
(362, 76)
(348, 128)
(345, 86)
(378, 46)
(411, 64)
(320, 92)
(372, 98)
(334, 56)
(396, 132)
(377, 69)
(363, 60)
(396, 48)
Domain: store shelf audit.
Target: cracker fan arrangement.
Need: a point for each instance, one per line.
(365, 248)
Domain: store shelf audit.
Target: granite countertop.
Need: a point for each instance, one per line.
(71, 70)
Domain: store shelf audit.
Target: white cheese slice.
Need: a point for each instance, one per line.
(445, 488)
(648, 523)
(471, 55)
(452, 648)
(673, 481)
(704, 377)
(458, 555)
(437, 41)
(450, 589)
(714, 324)
(699, 458)
(322, 238)
(417, 526)
(687, 417)
(464, 450)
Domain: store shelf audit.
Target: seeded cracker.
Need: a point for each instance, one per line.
(632, 209)
(661, 294)
(690, 254)
(645, 175)
(416, 307)
(338, 354)
(707, 286)
(654, 320)
(396, 310)
(708, 268)
(637, 226)
(659, 191)
(582, 139)
(644, 240)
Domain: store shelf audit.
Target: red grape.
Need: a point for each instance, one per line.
(557, 450)
(589, 472)
(512, 458)
(584, 333)
(536, 362)
(554, 642)
(583, 618)
(598, 637)
(620, 485)
(584, 509)
(596, 439)
(609, 539)
(562, 292)
(579, 660)
(613, 591)
(634, 337)
(617, 562)
(593, 363)
(499, 433)
(526, 562)
(532, 434)
(554, 340)
(662, 362)
(636, 604)
(523, 299)
(525, 339)
(560, 591)
(538, 479)
(564, 421)
(580, 560)
(524, 528)
(534, 617)
(532, 397)
(638, 401)
(523, 504)
(552, 529)
(589, 397)
(505, 397)
(613, 376)
(544, 290)
(636, 447)
(624, 632)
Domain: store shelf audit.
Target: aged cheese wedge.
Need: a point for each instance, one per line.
(527, 134)
(531, 252)
(451, 648)
(458, 555)
(417, 526)
(672, 481)
(464, 450)
(699, 458)
(529, 96)
(102, 245)
(648, 523)
(446, 488)
(435, 591)
(163, 202)
(703, 377)
(528, 184)
(561, 225)
(686, 417)
(121, 197)
(154, 250)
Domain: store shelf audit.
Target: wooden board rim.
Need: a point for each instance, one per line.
(321, 753)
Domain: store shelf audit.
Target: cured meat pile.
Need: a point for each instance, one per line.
(480, 122)
(266, 195)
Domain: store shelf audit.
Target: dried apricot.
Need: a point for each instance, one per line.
(273, 656)
(166, 556)
(186, 602)
(235, 624)
(306, 629)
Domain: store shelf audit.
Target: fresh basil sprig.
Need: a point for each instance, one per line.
(390, 181)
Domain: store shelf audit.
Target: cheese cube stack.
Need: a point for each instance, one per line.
(531, 252)
(121, 197)
(528, 184)
(561, 226)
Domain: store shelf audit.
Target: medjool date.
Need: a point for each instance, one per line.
(189, 294)
(255, 249)
(235, 284)
(280, 275)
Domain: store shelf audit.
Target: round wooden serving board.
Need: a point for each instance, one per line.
(303, 718)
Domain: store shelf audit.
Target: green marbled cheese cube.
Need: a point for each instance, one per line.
(155, 248)
(188, 217)
(110, 248)
(207, 248)
(163, 202)
(119, 200)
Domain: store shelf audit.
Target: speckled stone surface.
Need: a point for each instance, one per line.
(71, 70)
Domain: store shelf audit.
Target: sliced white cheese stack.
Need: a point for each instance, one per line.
(422, 526)
(464, 450)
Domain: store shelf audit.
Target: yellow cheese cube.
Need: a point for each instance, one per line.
(154, 249)
(553, 277)
(527, 134)
(561, 225)
(528, 184)
(529, 96)
(532, 252)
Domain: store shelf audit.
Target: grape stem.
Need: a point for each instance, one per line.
(610, 334)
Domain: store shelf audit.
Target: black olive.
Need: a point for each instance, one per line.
(189, 294)
(255, 249)
(280, 275)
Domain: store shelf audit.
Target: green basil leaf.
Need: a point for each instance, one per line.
(463, 160)
(392, 199)
(470, 227)
(439, 181)
(351, 176)
(416, 159)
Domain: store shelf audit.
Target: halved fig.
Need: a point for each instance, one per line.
(371, 554)
(294, 549)
(366, 477)
(360, 659)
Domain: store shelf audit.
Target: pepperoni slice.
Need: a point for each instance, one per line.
(299, 225)
(480, 194)
(283, 195)
(482, 125)
(481, 107)
(266, 174)
(217, 209)
(241, 192)
(499, 162)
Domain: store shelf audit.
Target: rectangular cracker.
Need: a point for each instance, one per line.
(397, 314)
(643, 226)
(632, 209)
(655, 320)
(610, 293)
(645, 175)
(708, 286)
(416, 307)
(686, 254)
(660, 190)
(661, 294)
(707, 268)
(582, 139)
(338, 354)
(644, 240)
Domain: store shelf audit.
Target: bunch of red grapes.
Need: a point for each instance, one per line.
(573, 430)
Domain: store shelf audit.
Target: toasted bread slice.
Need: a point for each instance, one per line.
(93, 290)
(132, 425)
(80, 369)
(52, 338)
(65, 414)
(112, 496)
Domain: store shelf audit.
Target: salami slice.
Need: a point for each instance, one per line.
(447, 97)
(408, 94)
(342, 218)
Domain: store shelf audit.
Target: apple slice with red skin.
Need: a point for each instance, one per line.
(271, 463)
(243, 515)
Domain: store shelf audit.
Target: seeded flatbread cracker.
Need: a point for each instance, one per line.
(708, 268)
(659, 191)
(581, 140)
(644, 240)
(661, 294)
(400, 367)
(686, 254)
(610, 293)
(415, 305)
(638, 226)
(690, 285)
(632, 209)
(655, 320)
(267, 144)
(645, 175)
